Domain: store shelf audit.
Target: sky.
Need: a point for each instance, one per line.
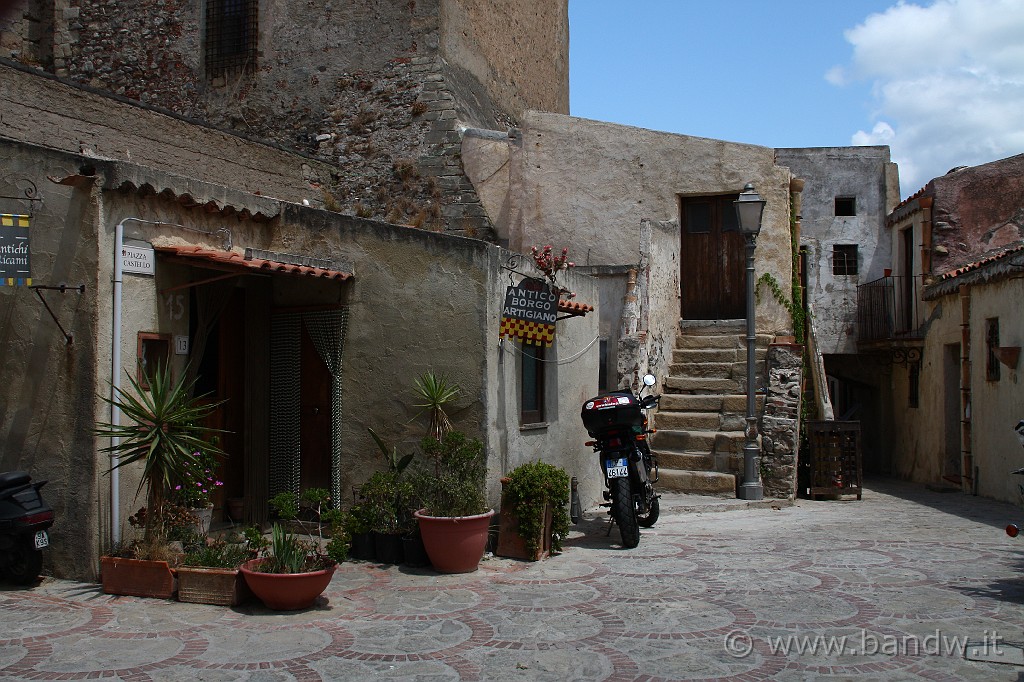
(941, 82)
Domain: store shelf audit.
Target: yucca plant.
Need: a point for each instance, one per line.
(163, 429)
(435, 393)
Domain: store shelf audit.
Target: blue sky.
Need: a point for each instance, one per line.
(940, 81)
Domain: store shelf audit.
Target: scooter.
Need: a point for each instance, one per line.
(618, 425)
(24, 519)
(1013, 530)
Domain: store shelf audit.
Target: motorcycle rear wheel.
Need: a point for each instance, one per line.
(651, 517)
(24, 565)
(624, 512)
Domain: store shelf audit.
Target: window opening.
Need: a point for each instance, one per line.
(846, 206)
(991, 344)
(844, 259)
(231, 29)
(914, 384)
(532, 384)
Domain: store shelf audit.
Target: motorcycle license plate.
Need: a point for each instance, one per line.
(42, 539)
(616, 468)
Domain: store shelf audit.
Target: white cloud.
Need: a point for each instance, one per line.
(948, 83)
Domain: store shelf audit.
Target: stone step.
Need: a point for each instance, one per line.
(711, 442)
(689, 421)
(688, 461)
(680, 355)
(706, 370)
(711, 402)
(705, 386)
(697, 482)
(708, 341)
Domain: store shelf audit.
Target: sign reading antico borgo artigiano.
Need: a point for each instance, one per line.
(530, 311)
(14, 250)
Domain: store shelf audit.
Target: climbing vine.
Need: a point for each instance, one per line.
(794, 304)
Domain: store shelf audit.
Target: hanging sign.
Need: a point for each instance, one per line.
(530, 311)
(14, 250)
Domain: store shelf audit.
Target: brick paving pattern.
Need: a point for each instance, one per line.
(712, 592)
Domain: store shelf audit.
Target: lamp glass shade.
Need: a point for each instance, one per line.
(748, 210)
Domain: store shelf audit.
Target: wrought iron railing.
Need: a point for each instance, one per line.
(888, 309)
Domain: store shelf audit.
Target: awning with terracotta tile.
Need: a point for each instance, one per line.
(574, 308)
(232, 261)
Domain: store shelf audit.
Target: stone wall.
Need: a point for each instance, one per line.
(780, 422)
(379, 89)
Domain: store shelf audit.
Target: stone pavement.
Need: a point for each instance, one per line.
(888, 588)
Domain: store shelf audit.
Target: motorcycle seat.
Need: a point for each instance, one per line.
(13, 478)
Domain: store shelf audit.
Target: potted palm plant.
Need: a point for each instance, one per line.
(454, 520)
(162, 430)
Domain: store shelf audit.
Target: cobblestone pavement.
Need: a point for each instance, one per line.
(906, 576)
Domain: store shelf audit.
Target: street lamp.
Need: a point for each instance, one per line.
(748, 214)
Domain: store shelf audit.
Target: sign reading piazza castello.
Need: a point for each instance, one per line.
(531, 308)
(15, 258)
(138, 260)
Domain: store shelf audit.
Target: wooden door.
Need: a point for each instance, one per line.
(713, 272)
(230, 367)
(315, 416)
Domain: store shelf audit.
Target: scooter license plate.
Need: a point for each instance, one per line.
(42, 539)
(616, 468)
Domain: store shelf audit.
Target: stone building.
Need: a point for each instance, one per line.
(843, 243)
(951, 314)
(380, 90)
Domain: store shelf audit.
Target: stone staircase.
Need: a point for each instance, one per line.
(700, 421)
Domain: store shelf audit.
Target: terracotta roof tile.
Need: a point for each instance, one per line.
(967, 267)
(231, 260)
(574, 307)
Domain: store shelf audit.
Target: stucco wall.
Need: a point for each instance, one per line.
(571, 377)
(921, 433)
(997, 406)
(829, 172)
(48, 402)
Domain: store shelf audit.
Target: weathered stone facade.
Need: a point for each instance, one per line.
(382, 89)
(780, 423)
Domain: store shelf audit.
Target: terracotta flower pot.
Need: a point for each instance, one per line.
(455, 544)
(137, 577)
(286, 591)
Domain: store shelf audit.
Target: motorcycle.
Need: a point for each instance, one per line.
(618, 425)
(24, 518)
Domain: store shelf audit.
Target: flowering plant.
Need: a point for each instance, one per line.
(550, 263)
(199, 482)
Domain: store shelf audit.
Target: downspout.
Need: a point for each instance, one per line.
(115, 355)
(926, 239)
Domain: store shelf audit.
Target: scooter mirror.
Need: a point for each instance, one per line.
(650, 380)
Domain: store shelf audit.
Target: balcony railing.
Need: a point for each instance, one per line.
(888, 309)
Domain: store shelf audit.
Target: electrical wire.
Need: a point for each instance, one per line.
(563, 361)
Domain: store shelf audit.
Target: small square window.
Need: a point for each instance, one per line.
(153, 353)
(846, 206)
(844, 259)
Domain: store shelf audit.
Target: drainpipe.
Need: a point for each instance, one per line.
(115, 340)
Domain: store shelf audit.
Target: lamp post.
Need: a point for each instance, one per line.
(748, 214)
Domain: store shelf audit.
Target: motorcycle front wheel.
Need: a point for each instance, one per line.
(24, 564)
(624, 512)
(651, 517)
